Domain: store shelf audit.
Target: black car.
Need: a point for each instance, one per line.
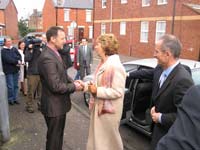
(138, 94)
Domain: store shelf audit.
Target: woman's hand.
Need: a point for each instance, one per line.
(92, 89)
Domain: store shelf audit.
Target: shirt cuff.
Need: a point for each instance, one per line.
(159, 119)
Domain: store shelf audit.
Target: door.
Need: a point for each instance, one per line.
(80, 33)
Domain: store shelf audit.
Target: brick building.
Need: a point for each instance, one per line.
(75, 17)
(35, 20)
(8, 19)
(138, 24)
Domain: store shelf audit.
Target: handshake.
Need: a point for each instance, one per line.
(80, 85)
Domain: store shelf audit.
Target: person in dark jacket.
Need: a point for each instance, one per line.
(65, 54)
(32, 54)
(170, 82)
(56, 88)
(11, 60)
(184, 133)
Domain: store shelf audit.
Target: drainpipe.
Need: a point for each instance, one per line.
(93, 12)
(173, 17)
(111, 13)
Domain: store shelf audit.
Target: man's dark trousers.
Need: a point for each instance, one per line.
(55, 130)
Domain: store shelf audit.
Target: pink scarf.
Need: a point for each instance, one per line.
(104, 105)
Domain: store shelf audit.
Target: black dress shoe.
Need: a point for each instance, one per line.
(16, 102)
(11, 103)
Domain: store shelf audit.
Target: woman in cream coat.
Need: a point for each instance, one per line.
(107, 92)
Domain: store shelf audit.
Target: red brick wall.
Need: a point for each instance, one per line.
(48, 15)
(187, 30)
(11, 21)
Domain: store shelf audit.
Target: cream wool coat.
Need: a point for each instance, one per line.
(104, 129)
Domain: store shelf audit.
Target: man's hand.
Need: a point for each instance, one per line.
(155, 115)
(79, 85)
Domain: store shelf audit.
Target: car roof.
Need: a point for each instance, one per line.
(152, 62)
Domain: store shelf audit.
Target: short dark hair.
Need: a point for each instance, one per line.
(172, 43)
(53, 32)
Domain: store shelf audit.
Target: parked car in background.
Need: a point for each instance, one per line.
(2, 40)
(138, 93)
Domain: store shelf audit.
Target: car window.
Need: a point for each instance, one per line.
(196, 75)
(130, 67)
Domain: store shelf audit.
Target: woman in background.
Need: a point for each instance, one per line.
(21, 48)
(107, 91)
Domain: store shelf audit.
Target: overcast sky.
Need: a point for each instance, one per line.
(25, 7)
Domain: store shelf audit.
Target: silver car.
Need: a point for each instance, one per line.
(138, 93)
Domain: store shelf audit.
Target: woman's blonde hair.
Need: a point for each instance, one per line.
(109, 43)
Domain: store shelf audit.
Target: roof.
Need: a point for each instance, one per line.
(80, 4)
(195, 7)
(3, 4)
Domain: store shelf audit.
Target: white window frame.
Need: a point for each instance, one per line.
(161, 2)
(88, 15)
(103, 28)
(103, 3)
(145, 3)
(160, 29)
(122, 28)
(66, 14)
(90, 32)
(124, 1)
(144, 31)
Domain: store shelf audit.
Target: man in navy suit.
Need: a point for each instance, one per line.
(184, 133)
(170, 82)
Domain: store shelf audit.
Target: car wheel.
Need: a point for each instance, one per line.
(87, 98)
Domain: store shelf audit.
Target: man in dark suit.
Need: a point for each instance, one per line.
(170, 82)
(56, 88)
(84, 58)
(184, 133)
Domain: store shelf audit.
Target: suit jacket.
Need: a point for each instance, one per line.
(184, 133)
(167, 98)
(56, 84)
(88, 56)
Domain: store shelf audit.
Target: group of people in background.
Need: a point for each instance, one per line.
(48, 80)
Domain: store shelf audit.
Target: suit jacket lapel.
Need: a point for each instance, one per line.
(166, 82)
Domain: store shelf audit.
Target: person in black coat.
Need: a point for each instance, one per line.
(65, 54)
(11, 60)
(170, 82)
(184, 133)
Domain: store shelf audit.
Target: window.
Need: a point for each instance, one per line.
(88, 15)
(124, 1)
(103, 28)
(122, 28)
(103, 3)
(145, 3)
(162, 2)
(66, 15)
(144, 31)
(90, 32)
(160, 29)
